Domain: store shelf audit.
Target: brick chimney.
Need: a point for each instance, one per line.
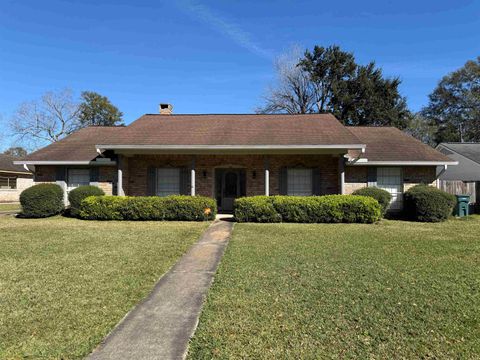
(165, 109)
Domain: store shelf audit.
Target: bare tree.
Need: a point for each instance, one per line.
(52, 117)
(292, 92)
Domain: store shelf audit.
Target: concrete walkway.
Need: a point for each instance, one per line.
(162, 324)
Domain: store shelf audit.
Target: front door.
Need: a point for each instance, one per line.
(230, 184)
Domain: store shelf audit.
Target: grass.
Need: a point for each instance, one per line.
(391, 290)
(65, 283)
(7, 207)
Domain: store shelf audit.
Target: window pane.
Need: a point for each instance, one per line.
(78, 177)
(390, 179)
(8, 182)
(299, 182)
(168, 181)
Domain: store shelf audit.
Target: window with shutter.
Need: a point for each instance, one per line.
(77, 177)
(168, 181)
(299, 182)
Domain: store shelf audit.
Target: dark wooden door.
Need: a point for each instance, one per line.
(230, 184)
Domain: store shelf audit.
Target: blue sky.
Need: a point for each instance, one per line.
(216, 56)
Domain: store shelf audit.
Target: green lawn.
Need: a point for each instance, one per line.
(390, 290)
(7, 207)
(65, 283)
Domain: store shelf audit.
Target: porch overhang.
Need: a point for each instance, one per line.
(232, 149)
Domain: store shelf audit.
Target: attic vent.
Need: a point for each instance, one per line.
(165, 109)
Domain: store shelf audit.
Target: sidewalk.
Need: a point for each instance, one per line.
(162, 324)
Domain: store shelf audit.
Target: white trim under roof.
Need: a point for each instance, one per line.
(404, 163)
(64, 162)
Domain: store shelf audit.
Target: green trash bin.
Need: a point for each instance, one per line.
(462, 205)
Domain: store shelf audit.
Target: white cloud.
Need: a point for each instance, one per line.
(226, 27)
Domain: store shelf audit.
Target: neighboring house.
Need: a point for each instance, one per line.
(228, 156)
(465, 177)
(13, 179)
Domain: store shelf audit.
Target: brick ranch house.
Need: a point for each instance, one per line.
(229, 156)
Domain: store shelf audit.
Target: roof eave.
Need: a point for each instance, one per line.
(64, 162)
(401, 163)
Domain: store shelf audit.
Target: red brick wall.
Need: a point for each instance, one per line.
(205, 165)
(328, 164)
(107, 176)
(44, 173)
(413, 175)
(135, 172)
(356, 177)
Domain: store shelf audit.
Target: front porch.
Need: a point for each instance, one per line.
(226, 177)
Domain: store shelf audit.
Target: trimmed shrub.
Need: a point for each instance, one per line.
(177, 207)
(42, 200)
(382, 196)
(309, 209)
(428, 204)
(76, 196)
(256, 209)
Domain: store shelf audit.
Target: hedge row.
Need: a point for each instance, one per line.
(311, 209)
(428, 204)
(42, 200)
(177, 207)
(76, 196)
(382, 196)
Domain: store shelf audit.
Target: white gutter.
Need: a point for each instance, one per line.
(405, 163)
(16, 172)
(229, 147)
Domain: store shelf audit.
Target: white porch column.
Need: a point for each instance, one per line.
(61, 178)
(267, 177)
(63, 185)
(120, 191)
(341, 173)
(192, 178)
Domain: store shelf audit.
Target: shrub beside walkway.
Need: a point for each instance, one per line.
(161, 326)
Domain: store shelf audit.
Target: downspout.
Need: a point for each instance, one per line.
(100, 153)
(354, 160)
(440, 174)
(443, 170)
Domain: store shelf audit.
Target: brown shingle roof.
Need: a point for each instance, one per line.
(382, 143)
(6, 164)
(79, 146)
(201, 130)
(392, 144)
(314, 129)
